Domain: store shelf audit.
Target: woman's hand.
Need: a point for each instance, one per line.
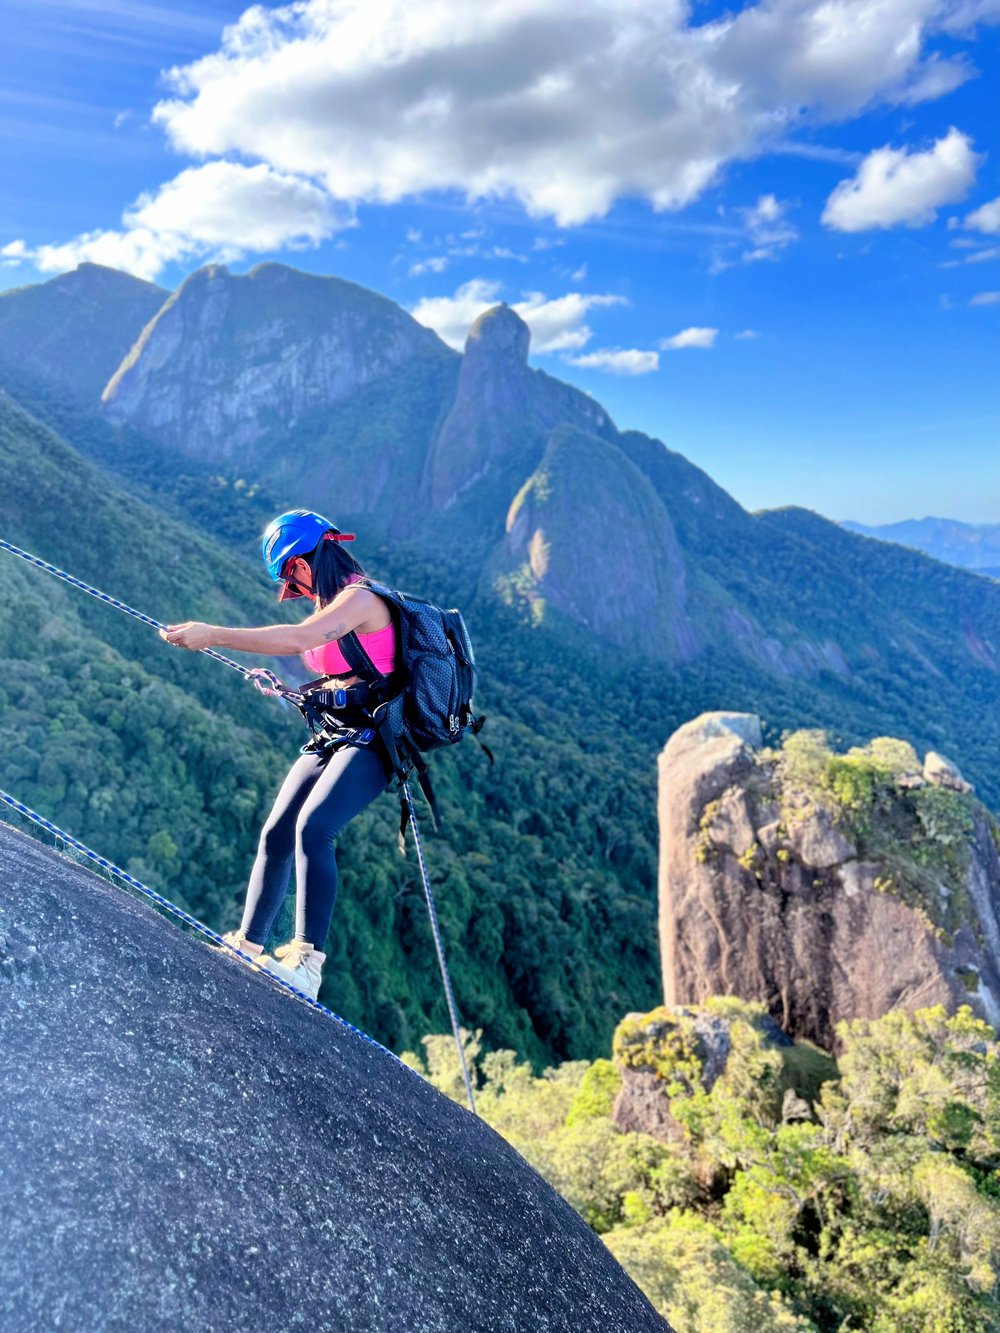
(192, 634)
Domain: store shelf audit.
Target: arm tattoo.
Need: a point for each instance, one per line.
(337, 633)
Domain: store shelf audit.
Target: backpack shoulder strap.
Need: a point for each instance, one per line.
(351, 646)
(358, 660)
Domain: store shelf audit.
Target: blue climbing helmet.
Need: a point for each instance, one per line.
(297, 532)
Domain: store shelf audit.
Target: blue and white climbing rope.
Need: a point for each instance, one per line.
(189, 920)
(112, 601)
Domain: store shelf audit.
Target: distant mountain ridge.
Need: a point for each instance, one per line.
(973, 546)
(227, 359)
(320, 389)
(76, 329)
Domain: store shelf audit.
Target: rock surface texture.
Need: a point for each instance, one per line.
(229, 358)
(757, 904)
(585, 486)
(188, 1147)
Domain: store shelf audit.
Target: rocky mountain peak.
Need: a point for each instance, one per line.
(97, 280)
(584, 486)
(230, 355)
(73, 330)
(500, 331)
(502, 413)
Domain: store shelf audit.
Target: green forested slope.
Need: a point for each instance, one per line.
(168, 763)
(798, 1195)
(546, 867)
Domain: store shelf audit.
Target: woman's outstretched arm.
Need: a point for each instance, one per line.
(349, 609)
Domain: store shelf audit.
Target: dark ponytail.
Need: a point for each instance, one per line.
(331, 567)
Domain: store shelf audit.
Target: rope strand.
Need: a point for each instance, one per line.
(111, 601)
(439, 946)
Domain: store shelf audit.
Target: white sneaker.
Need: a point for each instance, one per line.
(298, 963)
(237, 939)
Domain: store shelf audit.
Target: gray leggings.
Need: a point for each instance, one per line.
(318, 797)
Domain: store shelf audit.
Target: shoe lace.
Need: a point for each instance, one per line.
(294, 952)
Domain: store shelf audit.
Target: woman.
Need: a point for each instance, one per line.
(323, 790)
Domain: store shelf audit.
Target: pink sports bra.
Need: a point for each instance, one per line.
(328, 660)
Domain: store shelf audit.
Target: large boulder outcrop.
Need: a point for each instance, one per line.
(188, 1147)
(674, 1053)
(827, 887)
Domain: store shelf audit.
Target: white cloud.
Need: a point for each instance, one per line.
(436, 264)
(765, 211)
(617, 361)
(556, 325)
(986, 218)
(895, 187)
(451, 317)
(768, 228)
(249, 208)
(962, 17)
(475, 251)
(985, 298)
(221, 209)
(937, 78)
(745, 334)
(565, 108)
(693, 337)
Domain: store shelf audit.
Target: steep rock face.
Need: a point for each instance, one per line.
(768, 902)
(229, 360)
(74, 330)
(188, 1147)
(501, 413)
(588, 536)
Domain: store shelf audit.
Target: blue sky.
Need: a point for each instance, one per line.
(769, 236)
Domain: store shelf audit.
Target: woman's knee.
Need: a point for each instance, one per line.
(277, 837)
(315, 834)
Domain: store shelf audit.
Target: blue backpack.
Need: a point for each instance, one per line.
(427, 701)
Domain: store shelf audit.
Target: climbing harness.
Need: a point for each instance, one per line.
(364, 714)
